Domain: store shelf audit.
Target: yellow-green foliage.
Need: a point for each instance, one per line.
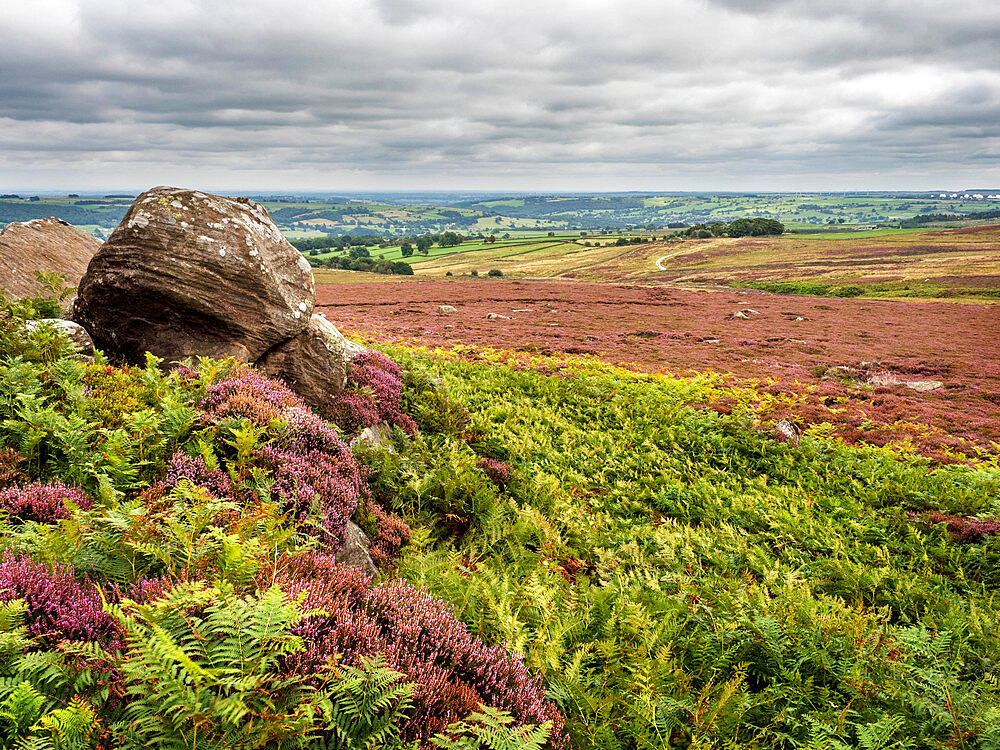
(682, 579)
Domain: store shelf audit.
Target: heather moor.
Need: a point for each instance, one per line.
(500, 375)
(502, 512)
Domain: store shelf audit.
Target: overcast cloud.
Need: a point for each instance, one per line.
(470, 94)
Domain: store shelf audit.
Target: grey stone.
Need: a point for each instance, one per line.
(376, 436)
(355, 550)
(75, 332)
(924, 385)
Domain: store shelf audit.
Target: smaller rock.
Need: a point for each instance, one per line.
(355, 550)
(75, 332)
(740, 314)
(924, 385)
(377, 436)
(497, 316)
(314, 363)
(796, 320)
(446, 309)
(521, 309)
(786, 431)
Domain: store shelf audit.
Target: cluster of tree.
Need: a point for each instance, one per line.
(917, 221)
(424, 242)
(755, 227)
(365, 263)
(107, 215)
(335, 243)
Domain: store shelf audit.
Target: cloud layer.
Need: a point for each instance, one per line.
(436, 94)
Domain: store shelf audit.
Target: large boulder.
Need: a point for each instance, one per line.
(313, 363)
(42, 245)
(187, 273)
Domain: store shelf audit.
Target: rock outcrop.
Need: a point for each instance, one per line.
(42, 245)
(187, 273)
(313, 363)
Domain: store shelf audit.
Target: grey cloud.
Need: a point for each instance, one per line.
(399, 93)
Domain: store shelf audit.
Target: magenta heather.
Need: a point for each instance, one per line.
(373, 395)
(419, 635)
(42, 502)
(318, 485)
(194, 469)
(966, 530)
(59, 607)
(498, 471)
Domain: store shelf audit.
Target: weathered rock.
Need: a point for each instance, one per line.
(42, 245)
(924, 385)
(187, 273)
(75, 332)
(445, 309)
(313, 363)
(355, 550)
(740, 314)
(786, 431)
(497, 316)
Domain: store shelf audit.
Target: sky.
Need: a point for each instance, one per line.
(518, 95)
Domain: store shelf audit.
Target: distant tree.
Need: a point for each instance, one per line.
(495, 272)
(402, 268)
(450, 239)
(424, 243)
(449, 273)
(359, 252)
(473, 272)
(756, 227)
(491, 239)
(552, 234)
(406, 249)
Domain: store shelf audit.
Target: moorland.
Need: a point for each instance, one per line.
(669, 503)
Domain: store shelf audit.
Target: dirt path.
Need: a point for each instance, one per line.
(659, 261)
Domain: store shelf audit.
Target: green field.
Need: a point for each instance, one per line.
(397, 216)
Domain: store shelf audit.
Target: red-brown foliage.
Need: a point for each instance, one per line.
(663, 328)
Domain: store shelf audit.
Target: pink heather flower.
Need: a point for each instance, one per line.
(307, 431)
(194, 469)
(418, 635)
(247, 383)
(498, 471)
(374, 394)
(966, 530)
(322, 487)
(59, 607)
(391, 533)
(46, 503)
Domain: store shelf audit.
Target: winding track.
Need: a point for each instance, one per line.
(659, 261)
